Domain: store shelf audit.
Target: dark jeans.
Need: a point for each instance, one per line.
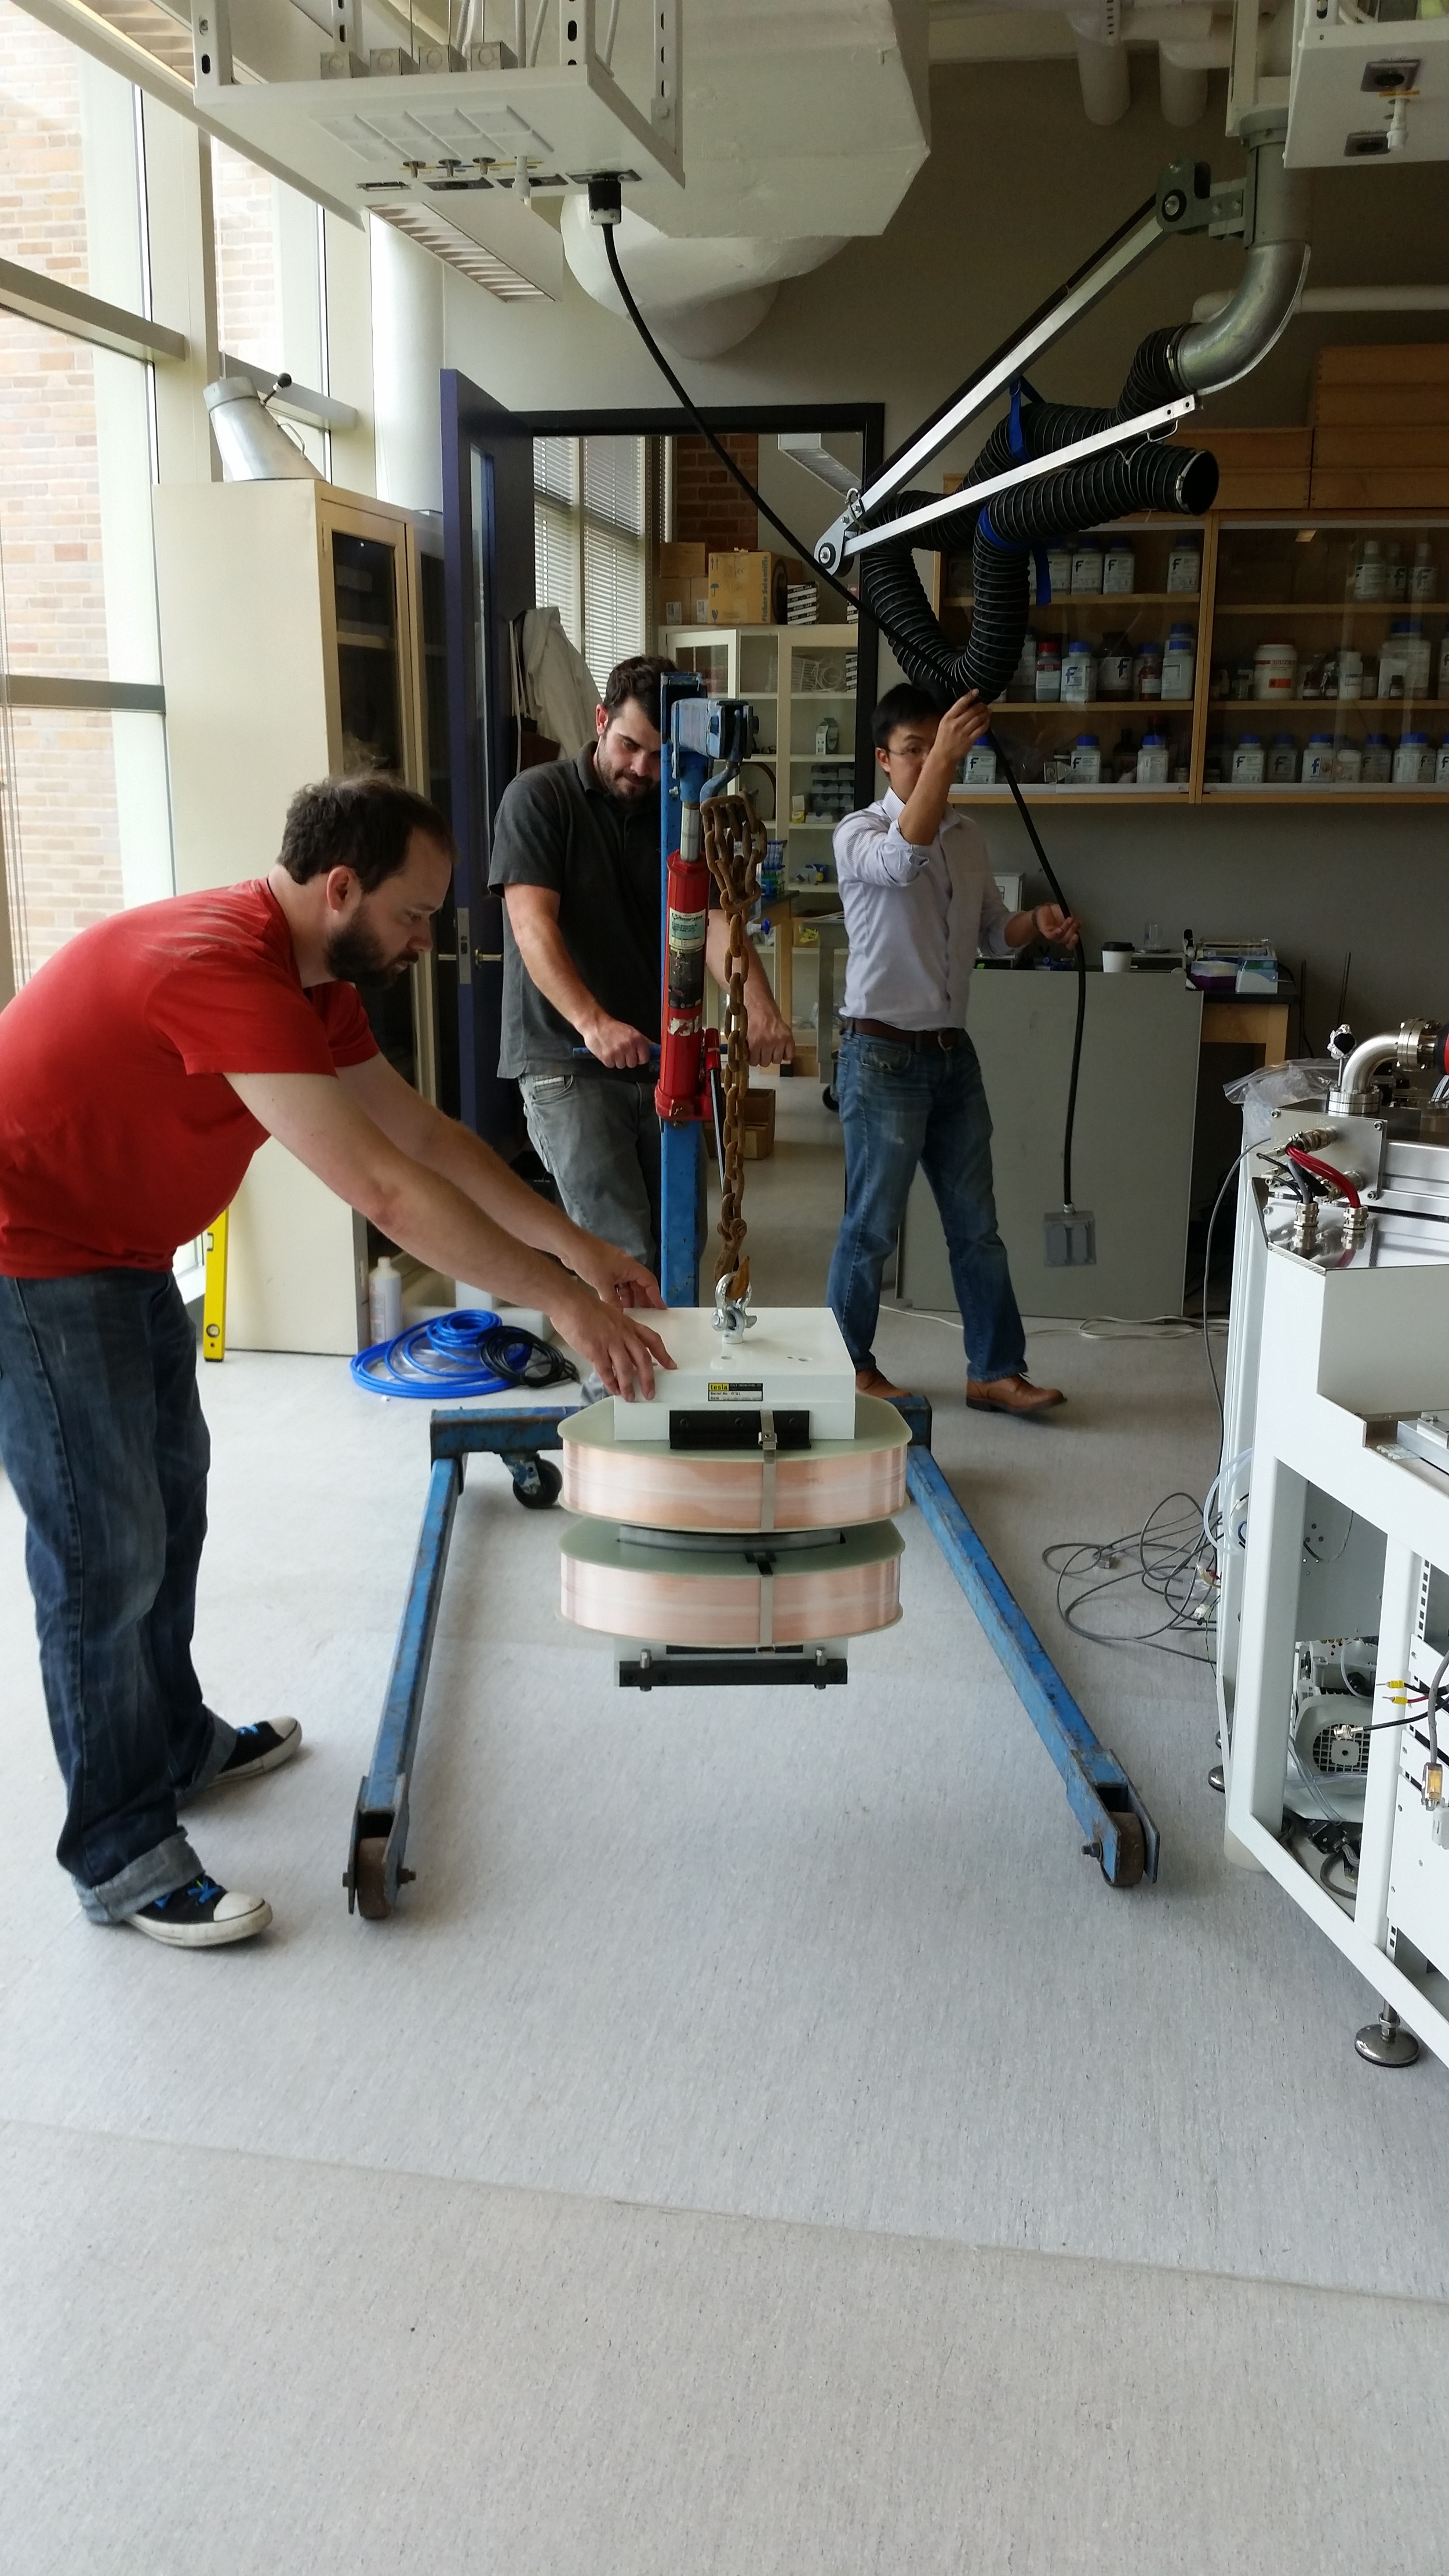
(102, 1435)
(898, 1109)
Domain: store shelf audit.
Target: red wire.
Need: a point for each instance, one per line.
(1323, 1172)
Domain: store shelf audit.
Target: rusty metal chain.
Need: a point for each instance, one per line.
(734, 844)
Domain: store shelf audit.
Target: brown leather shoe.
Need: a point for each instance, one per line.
(870, 1382)
(1011, 1395)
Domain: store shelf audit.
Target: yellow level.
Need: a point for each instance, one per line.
(213, 1303)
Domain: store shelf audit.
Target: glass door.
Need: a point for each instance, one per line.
(488, 581)
(373, 725)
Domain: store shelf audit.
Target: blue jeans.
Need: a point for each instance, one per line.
(103, 1438)
(900, 1108)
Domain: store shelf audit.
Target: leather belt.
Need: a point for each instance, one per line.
(921, 1040)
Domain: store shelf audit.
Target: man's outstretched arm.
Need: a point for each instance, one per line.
(328, 1130)
(441, 1145)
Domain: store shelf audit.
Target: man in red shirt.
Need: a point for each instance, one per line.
(139, 1072)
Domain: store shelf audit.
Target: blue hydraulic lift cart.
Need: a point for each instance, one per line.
(1120, 1834)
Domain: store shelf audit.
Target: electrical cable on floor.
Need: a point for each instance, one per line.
(807, 555)
(1171, 1559)
(1089, 1328)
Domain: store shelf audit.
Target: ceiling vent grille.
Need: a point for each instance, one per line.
(446, 243)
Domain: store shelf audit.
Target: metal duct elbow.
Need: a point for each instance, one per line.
(1209, 355)
(252, 446)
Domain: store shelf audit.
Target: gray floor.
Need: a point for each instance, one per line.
(762, 2140)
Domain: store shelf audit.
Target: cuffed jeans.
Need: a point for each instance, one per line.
(599, 1136)
(103, 1437)
(900, 1108)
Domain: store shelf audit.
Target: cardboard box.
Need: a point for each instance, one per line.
(682, 583)
(1258, 469)
(758, 1123)
(749, 589)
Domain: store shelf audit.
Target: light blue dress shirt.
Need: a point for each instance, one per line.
(916, 918)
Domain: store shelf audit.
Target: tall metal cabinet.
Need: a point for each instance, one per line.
(301, 636)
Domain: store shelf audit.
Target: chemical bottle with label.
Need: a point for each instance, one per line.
(1184, 567)
(1147, 671)
(1119, 566)
(1087, 760)
(1114, 670)
(1413, 761)
(1048, 685)
(1396, 571)
(1248, 763)
(1079, 674)
(1424, 573)
(1152, 761)
(1282, 761)
(1179, 662)
(1369, 580)
(1378, 760)
(1087, 568)
(1318, 760)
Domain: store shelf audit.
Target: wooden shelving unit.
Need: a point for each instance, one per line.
(1271, 555)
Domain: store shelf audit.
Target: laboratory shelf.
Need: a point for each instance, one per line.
(1093, 599)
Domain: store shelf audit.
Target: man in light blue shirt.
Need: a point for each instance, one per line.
(920, 904)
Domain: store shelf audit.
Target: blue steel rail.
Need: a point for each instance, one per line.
(516, 1434)
(1121, 1834)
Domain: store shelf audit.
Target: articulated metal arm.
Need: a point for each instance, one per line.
(1268, 207)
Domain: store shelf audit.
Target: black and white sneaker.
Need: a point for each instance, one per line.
(202, 1916)
(260, 1748)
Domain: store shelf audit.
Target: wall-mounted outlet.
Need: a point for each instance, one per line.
(1069, 1241)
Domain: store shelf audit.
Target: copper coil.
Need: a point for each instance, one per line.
(719, 1597)
(832, 1485)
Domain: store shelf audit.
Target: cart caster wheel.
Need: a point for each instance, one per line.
(1385, 2042)
(369, 1872)
(537, 1485)
(831, 1098)
(1131, 1854)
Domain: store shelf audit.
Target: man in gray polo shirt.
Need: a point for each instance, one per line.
(920, 901)
(576, 856)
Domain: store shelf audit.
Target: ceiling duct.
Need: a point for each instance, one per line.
(701, 296)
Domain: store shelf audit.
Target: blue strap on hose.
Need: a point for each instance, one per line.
(1016, 441)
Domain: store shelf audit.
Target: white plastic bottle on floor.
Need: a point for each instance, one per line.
(384, 1301)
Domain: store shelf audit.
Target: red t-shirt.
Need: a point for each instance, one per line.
(119, 1135)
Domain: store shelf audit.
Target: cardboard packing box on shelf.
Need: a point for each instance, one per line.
(682, 585)
(749, 589)
(758, 1121)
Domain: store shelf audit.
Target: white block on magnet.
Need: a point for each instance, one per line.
(793, 1357)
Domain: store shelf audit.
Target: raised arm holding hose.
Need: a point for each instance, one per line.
(920, 901)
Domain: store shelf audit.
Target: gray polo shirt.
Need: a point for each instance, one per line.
(557, 827)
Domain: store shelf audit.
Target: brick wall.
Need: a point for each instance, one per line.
(67, 871)
(709, 507)
(248, 288)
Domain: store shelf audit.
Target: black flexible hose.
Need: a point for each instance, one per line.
(1101, 487)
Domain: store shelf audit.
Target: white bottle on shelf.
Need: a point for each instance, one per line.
(1424, 575)
(1119, 566)
(384, 1300)
(1152, 761)
(1179, 662)
(1369, 579)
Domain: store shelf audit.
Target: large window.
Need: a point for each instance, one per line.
(591, 543)
(84, 809)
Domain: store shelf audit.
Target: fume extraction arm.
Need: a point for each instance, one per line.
(1110, 462)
